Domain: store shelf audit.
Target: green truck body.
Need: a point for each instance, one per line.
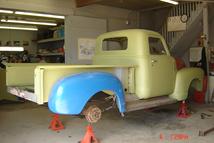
(140, 59)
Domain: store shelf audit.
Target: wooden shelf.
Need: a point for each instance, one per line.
(51, 54)
(50, 40)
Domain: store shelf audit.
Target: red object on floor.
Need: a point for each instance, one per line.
(182, 112)
(56, 124)
(199, 96)
(89, 136)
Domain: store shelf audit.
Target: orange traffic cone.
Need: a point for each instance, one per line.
(182, 112)
(56, 124)
(89, 136)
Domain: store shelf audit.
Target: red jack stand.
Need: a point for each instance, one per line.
(89, 136)
(182, 112)
(56, 124)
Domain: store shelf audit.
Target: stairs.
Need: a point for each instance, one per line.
(180, 41)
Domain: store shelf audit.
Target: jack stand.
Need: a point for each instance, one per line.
(55, 123)
(89, 136)
(182, 112)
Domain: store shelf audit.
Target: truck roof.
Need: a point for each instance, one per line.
(129, 32)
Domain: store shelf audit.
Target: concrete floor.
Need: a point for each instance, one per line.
(28, 123)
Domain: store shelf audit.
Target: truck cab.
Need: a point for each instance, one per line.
(156, 68)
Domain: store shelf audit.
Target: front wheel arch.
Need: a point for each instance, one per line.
(184, 78)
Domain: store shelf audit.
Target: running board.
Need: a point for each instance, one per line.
(148, 103)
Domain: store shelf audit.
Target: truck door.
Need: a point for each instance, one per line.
(162, 67)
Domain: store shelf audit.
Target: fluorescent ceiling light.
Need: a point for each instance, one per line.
(170, 1)
(40, 14)
(6, 11)
(29, 22)
(19, 28)
(11, 48)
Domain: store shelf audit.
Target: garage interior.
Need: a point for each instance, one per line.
(52, 32)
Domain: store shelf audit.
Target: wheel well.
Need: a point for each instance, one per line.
(102, 99)
(194, 84)
(99, 96)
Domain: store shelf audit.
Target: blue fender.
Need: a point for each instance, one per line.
(70, 94)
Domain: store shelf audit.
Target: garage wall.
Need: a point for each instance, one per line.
(153, 19)
(18, 35)
(211, 24)
(80, 27)
(91, 21)
(116, 17)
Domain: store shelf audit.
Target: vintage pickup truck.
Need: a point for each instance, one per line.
(132, 70)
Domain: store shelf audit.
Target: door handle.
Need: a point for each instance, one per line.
(154, 61)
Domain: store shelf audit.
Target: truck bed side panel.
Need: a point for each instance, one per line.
(47, 76)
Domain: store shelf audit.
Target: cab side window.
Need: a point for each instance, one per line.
(156, 46)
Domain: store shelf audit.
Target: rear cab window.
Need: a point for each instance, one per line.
(115, 44)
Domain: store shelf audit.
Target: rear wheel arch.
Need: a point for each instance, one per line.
(101, 96)
(98, 103)
(84, 87)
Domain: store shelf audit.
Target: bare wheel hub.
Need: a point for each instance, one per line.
(93, 114)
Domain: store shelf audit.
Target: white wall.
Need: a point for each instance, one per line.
(19, 35)
(81, 27)
(116, 17)
(91, 21)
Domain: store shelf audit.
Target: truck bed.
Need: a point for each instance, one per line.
(34, 82)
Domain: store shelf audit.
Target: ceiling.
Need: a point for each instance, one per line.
(127, 4)
(133, 4)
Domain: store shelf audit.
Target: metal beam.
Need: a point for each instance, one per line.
(208, 1)
(81, 3)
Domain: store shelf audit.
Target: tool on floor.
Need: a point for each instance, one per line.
(55, 123)
(182, 112)
(203, 133)
(204, 115)
(89, 136)
(211, 110)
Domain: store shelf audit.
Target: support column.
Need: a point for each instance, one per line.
(206, 42)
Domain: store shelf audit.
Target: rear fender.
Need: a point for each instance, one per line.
(70, 94)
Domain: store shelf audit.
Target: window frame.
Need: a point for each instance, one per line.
(105, 50)
(165, 52)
